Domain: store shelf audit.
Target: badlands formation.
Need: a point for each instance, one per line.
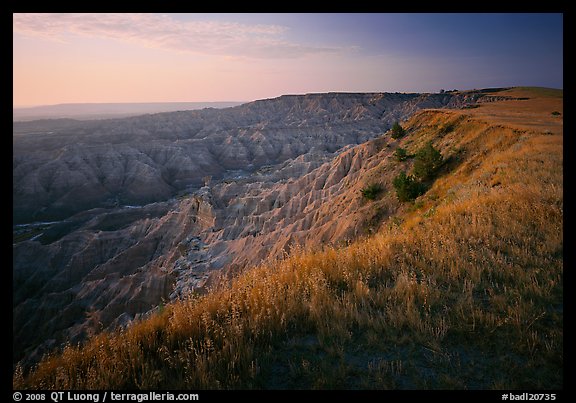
(114, 217)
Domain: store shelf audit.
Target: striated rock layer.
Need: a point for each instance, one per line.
(250, 182)
(62, 167)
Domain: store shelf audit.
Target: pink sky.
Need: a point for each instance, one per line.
(67, 58)
(150, 58)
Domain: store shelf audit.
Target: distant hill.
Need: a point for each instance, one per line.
(109, 110)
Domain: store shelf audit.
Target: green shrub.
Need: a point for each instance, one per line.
(401, 154)
(407, 187)
(370, 192)
(427, 162)
(556, 113)
(397, 131)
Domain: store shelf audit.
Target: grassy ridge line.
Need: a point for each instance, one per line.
(465, 293)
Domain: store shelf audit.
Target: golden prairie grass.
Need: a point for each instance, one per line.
(465, 293)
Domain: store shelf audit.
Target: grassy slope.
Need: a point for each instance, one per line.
(462, 289)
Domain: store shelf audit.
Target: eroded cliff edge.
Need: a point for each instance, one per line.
(251, 182)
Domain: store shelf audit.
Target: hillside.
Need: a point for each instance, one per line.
(62, 167)
(129, 213)
(460, 289)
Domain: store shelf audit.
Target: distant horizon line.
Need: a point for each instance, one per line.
(272, 97)
(124, 103)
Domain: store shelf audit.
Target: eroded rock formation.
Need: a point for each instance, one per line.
(151, 208)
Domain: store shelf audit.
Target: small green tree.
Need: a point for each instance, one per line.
(427, 162)
(397, 131)
(401, 154)
(371, 191)
(407, 187)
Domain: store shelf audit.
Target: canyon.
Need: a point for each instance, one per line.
(113, 218)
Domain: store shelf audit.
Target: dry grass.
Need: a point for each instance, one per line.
(465, 293)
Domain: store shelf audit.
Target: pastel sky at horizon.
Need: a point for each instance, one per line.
(74, 58)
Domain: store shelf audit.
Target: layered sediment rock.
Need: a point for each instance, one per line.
(251, 182)
(68, 166)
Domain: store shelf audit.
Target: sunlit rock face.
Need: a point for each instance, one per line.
(147, 209)
(61, 167)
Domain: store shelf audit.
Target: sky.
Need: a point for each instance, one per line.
(77, 58)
